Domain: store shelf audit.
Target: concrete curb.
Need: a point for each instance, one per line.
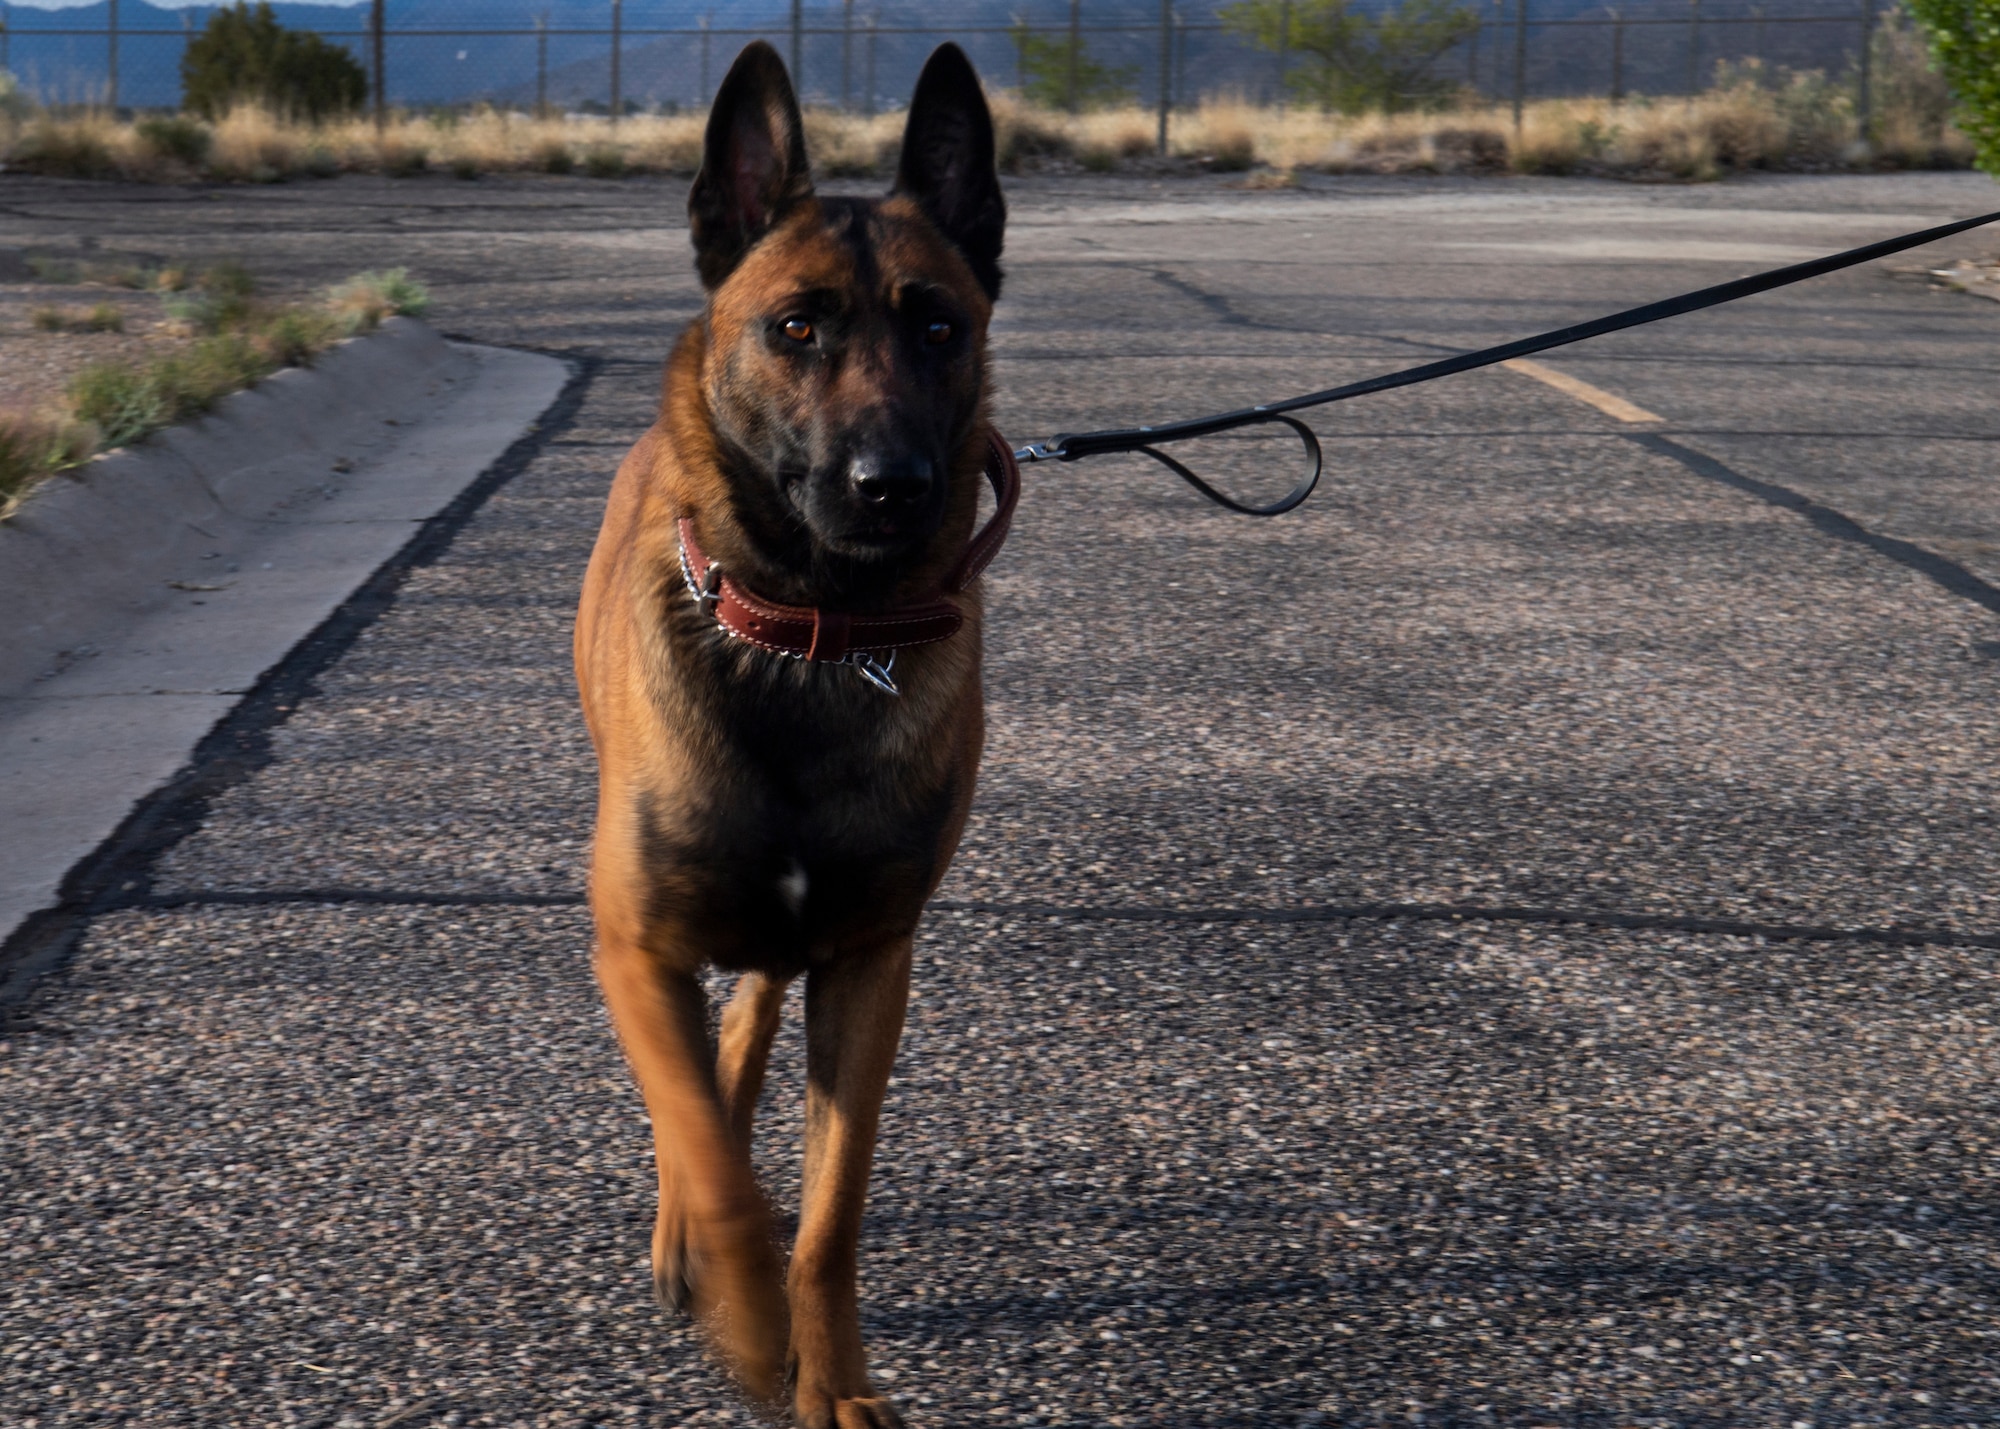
(94, 548)
(147, 594)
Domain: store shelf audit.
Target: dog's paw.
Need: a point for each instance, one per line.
(673, 1266)
(826, 1412)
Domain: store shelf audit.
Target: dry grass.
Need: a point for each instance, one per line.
(1750, 120)
(228, 339)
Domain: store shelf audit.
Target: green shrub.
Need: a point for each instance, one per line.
(189, 382)
(14, 104)
(246, 57)
(297, 333)
(1233, 153)
(464, 167)
(119, 400)
(69, 151)
(176, 136)
(1048, 63)
(404, 161)
(554, 157)
(604, 162)
(1965, 37)
(52, 270)
(365, 299)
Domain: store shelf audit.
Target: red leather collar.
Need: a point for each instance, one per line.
(810, 633)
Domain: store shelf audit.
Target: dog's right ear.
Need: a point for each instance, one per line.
(753, 163)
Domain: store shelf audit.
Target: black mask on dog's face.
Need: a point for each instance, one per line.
(847, 337)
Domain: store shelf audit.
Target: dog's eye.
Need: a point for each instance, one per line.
(938, 334)
(798, 329)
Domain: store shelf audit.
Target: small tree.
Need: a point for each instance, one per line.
(1365, 59)
(246, 56)
(1965, 37)
(1045, 68)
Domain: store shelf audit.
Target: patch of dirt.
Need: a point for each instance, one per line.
(1969, 276)
(1979, 277)
(36, 365)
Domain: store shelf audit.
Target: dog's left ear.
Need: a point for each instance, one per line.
(947, 163)
(753, 163)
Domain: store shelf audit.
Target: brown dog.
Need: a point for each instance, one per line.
(779, 653)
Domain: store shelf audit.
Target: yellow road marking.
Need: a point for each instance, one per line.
(1605, 402)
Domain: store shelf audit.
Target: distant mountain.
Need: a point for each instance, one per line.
(455, 51)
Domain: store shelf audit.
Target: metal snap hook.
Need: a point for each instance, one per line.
(875, 672)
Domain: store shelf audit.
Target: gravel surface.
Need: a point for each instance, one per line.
(1175, 1139)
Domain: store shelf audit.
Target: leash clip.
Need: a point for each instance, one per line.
(707, 592)
(1040, 451)
(876, 672)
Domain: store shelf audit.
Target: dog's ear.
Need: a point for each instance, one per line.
(947, 163)
(753, 163)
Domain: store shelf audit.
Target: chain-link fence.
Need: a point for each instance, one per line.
(622, 56)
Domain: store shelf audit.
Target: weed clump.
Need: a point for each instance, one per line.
(176, 136)
(100, 317)
(367, 298)
(604, 162)
(32, 448)
(66, 150)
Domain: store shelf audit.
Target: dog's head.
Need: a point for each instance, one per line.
(845, 347)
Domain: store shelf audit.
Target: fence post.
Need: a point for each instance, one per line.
(381, 77)
(1694, 49)
(799, 48)
(111, 55)
(1180, 60)
(847, 56)
(1017, 29)
(1472, 54)
(1617, 57)
(1166, 68)
(1757, 40)
(542, 65)
(617, 48)
(868, 100)
(1520, 62)
(1864, 108)
(1076, 54)
(702, 97)
(5, 17)
(1284, 50)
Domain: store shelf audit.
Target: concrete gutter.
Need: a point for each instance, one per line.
(147, 593)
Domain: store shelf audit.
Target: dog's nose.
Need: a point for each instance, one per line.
(891, 482)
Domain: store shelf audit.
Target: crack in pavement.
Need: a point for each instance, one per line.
(1948, 574)
(1368, 911)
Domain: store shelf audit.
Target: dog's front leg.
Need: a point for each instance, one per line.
(749, 1023)
(854, 1019)
(707, 1192)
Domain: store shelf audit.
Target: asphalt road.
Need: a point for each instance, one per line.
(1369, 991)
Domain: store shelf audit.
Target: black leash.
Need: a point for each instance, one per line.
(1148, 439)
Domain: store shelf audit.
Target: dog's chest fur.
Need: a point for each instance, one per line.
(820, 803)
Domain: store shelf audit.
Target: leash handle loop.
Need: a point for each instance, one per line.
(1277, 508)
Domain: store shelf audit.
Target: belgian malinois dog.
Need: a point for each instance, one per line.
(779, 654)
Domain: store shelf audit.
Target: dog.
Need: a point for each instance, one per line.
(778, 651)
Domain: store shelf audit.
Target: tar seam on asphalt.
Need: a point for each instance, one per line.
(1948, 574)
(118, 873)
(1371, 912)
